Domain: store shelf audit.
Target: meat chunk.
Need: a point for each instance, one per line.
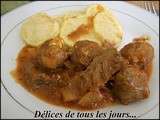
(96, 75)
(139, 52)
(85, 51)
(51, 54)
(91, 99)
(69, 94)
(77, 87)
(107, 94)
(103, 67)
(130, 85)
(96, 98)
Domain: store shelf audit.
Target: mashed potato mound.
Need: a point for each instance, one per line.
(92, 10)
(70, 25)
(108, 27)
(73, 14)
(39, 28)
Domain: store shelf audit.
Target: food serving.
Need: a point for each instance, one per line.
(73, 61)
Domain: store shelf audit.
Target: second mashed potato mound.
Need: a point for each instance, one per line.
(96, 23)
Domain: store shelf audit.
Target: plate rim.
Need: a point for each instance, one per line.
(3, 40)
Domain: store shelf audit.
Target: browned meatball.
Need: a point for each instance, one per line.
(51, 54)
(130, 85)
(85, 51)
(138, 53)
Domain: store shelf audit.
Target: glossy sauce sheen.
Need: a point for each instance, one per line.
(28, 68)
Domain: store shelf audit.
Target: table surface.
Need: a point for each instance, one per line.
(7, 6)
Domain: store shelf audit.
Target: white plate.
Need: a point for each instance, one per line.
(135, 22)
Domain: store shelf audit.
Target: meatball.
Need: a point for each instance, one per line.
(51, 54)
(85, 51)
(138, 53)
(131, 85)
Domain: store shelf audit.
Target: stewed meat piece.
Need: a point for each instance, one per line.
(51, 54)
(139, 52)
(91, 99)
(131, 84)
(103, 67)
(96, 98)
(77, 87)
(85, 51)
(95, 76)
